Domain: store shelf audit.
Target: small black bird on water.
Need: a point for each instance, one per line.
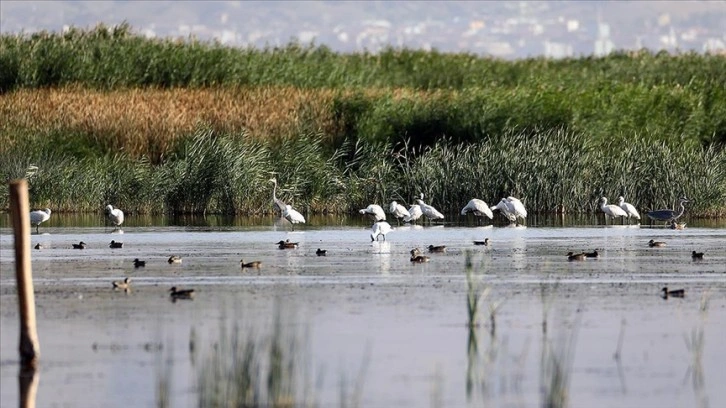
(138, 263)
(321, 252)
(592, 254)
(80, 245)
(115, 244)
(679, 293)
(485, 242)
(697, 256)
(181, 294)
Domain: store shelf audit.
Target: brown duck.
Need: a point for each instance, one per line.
(181, 294)
(575, 257)
(80, 245)
(437, 248)
(416, 256)
(287, 244)
(124, 284)
(253, 264)
(653, 243)
(115, 244)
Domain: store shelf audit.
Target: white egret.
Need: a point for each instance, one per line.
(479, 208)
(278, 204)
(375, 212)
(511, 208)
(414, 213)
(662, 215)
(429, 211)
(628, 208)
(380, 228)
(38, 217)
(293, 216)
(115, 215)
(611, 210)
(398, 211)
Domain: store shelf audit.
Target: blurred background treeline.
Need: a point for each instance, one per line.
(183, 126)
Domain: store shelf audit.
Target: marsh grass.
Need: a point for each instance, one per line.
(246, 369)
(556, 367)
(209, 172)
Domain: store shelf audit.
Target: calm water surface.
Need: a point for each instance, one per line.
(372, 326)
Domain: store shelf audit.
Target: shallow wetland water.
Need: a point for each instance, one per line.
(370, 328)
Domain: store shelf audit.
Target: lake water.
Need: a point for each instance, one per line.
(363, 326)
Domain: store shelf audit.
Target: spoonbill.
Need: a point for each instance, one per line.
(664, 215)
(398, 211)
(611, 210)
(380, 228)
(479, 208)
(414, 213)
(38, 217)
(628, 208)
(375, 212)
(115, 215)
(429, 211)
(293, 216)
(511, 208)
(278, 204)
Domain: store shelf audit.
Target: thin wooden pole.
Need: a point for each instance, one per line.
(19, 212)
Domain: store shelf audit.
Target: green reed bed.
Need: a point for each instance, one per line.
(116, 56)
(210, 172)
(462, 96)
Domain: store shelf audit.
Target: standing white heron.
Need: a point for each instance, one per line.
(375, 212)
(665, 214)
(511, 208)
(398, 211)
(628, 208)
(414, 213)
(380, 228)
(428, 211)
(278, 204)
(611, 210)
(115, 215)
(38, 217)
(479, 208)
(293, 216)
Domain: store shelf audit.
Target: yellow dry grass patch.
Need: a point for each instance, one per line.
(139, 120)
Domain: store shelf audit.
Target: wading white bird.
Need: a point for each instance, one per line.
(115, 215)
(511, 208)
(428, 211)
(414, 213)
(398, 211)
(38, 217)
(277, 204)
(380, 228)
(628, 208)
(293, 216)
(479, 208)
(611, 210)
(375, 212)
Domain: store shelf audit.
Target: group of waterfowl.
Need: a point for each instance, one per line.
(511, 207)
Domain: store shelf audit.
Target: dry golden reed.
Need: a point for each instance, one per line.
(135, 119)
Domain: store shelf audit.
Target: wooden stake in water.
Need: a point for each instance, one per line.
(19, 210)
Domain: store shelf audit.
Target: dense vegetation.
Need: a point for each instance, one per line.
(185, 126)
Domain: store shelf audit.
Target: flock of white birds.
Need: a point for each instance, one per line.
(511, 208)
